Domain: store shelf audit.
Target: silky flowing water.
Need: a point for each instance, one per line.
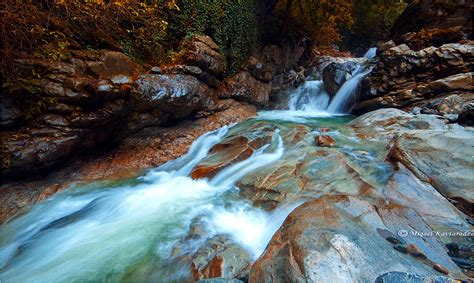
(126, 230)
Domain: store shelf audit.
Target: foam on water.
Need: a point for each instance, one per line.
(97, 234)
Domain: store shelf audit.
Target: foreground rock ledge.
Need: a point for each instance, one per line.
(337, 237)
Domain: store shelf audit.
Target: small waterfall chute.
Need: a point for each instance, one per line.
(310, 97)
(371, 52)
(344, 99)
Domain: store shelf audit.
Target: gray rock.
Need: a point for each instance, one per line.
(397, 277)
(335, 237)
(175, 94)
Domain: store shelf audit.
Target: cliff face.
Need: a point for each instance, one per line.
(428, 65)
(96, 99)
(426, 23)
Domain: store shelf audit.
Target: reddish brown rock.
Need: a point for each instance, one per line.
(440, 268)
(325, 141)
(244, 87)
(202, 52)
(433, 23)
(111, 64)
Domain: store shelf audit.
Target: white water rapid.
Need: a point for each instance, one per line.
(95, 233)
(105, 231)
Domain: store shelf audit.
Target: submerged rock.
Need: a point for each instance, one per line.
(324, 140)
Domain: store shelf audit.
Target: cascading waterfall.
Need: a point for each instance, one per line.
(312, 97)
(96, 233)
(371, 52)
(344, 99)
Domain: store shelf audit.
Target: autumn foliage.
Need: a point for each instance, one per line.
(48, 29)
(320, 20)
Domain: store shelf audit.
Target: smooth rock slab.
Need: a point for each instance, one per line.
(336, 237)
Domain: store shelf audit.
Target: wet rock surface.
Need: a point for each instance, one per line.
(364, 167)
(358, 194)
(220, 257)
(396, 276)
(336, 74)
(96, 99)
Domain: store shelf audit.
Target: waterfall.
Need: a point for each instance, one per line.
(344, 99)
(311, 96)
(95, 233)
(371, 52)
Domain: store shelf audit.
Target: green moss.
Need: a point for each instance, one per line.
(232, 24)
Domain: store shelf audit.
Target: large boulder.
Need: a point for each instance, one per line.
(347, 239)
(244, 87)
(443, 159)
(174, 94)
(436, 153)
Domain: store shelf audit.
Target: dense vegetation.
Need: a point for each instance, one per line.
(151, 31)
